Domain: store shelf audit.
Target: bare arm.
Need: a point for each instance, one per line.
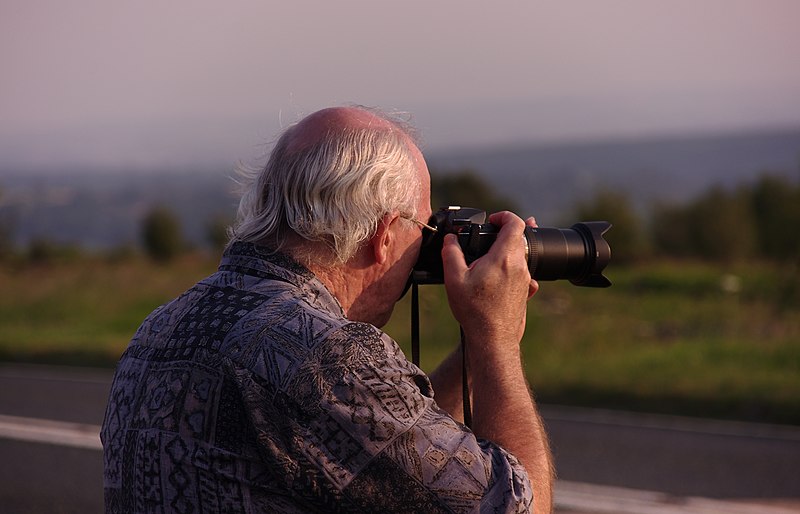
(489, 299)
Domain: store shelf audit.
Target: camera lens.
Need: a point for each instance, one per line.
(578, 254)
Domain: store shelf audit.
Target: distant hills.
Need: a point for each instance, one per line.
(547, 181)
(100, 209)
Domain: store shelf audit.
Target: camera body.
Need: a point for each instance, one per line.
(578, 253)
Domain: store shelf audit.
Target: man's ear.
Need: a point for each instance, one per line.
(383, 239)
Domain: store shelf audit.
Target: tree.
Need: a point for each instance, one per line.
(625, 237)
(6, 231)
(717, 226)
(161, 234)
(721, 225)
(467, 189)
(670, 230)
(217, 232)
(776, 213)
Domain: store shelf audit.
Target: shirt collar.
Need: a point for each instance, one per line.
(264, 262)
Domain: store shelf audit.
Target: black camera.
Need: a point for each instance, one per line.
(578, 253)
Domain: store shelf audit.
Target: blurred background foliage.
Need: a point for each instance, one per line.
(702, 318)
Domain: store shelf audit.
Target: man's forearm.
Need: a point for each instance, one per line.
(504, 412)
(489, 299)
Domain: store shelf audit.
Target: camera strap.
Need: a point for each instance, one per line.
(465, 393)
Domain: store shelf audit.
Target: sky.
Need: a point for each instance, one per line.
(118, 83)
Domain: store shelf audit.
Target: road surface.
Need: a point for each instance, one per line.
(607, 461)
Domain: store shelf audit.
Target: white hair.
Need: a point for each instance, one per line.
(334, 190)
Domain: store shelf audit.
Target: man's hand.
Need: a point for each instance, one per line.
(488, 298)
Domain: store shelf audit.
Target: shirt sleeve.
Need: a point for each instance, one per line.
(382, 441)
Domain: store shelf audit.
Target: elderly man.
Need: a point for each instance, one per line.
(268, 386)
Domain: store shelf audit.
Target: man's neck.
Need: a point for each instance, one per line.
(347, 284)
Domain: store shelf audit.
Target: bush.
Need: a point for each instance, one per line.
(625, 237)
(723, 226)
(467, 189)
(161, 235)
(217, 232)
(776, 211)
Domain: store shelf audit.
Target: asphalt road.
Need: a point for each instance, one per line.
(671, 456)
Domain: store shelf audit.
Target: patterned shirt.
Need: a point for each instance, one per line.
(252, 392)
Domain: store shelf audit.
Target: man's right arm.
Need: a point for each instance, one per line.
(489, 299)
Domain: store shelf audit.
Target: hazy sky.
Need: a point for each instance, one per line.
(177, 81)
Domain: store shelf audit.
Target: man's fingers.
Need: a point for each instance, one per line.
(503, 217)
(511, 229)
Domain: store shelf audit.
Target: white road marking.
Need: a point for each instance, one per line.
(591, 498)
(670, 423)
(61, 433)
(569, 496)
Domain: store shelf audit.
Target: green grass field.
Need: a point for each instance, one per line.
(675, 337)
(681, 338)
(85, 311)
